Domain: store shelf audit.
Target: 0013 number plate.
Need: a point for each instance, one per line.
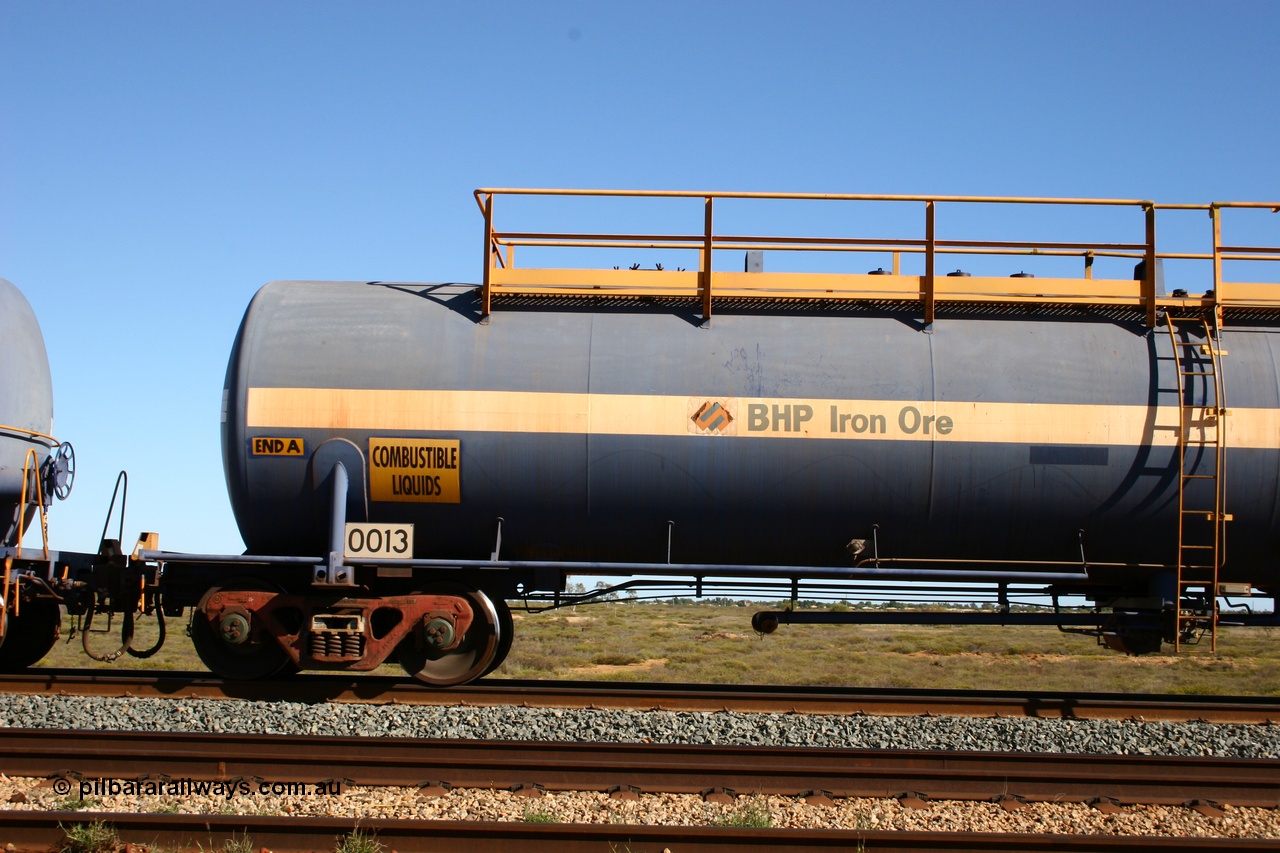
(378, 540)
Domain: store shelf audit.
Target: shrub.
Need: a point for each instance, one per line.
(96, 837)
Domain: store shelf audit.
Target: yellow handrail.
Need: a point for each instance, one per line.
(501, 278)
(53, 442)
(837, 197)
(30, 465)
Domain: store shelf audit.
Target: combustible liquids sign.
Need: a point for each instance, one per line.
(416, 470)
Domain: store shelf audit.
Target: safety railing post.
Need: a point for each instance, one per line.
(706, 262)
(929, 291)
(1149, 267)
(486, 295)
(1215, 214)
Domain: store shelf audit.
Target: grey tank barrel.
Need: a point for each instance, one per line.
(779, 438)
(26, 405)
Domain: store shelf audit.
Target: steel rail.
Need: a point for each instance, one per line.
(29, 830)
(383, 689)
(95, 759)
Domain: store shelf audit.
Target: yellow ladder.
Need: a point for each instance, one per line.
(1202, 513)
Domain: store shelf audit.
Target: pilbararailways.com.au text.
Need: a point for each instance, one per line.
(199, 788)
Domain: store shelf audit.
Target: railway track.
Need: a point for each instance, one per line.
(433, 766)
(36, 831)
(99, 766)
(884, 702)
(85, 758)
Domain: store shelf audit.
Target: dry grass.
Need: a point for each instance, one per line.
(715, 644)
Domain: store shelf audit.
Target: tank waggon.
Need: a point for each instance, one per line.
(636, 436)
(34, 468)
(1067, 436)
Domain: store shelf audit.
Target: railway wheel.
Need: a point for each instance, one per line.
(30, 635)
(471, 658)
(1134, 633)
(506, 633)
(237, 655)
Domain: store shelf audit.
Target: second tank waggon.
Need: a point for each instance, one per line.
(34, 469)
(26, 410)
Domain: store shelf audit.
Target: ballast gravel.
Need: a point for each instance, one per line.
(1133, 737)
(729, 728)
(855, 813)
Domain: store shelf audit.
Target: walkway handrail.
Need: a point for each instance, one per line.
(501, 277)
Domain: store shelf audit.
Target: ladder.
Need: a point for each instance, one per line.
(1202, 513)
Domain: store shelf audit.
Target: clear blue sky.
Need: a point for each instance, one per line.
(159, 161)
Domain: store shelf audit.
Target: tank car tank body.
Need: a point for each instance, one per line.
(26, 408)
(34, 468)
(767, 439)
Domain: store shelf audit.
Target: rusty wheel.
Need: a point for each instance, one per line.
(474, 655)
(242, 654)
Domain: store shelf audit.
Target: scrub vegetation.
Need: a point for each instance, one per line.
(747, 813)
(714, 643)
(96, 837)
